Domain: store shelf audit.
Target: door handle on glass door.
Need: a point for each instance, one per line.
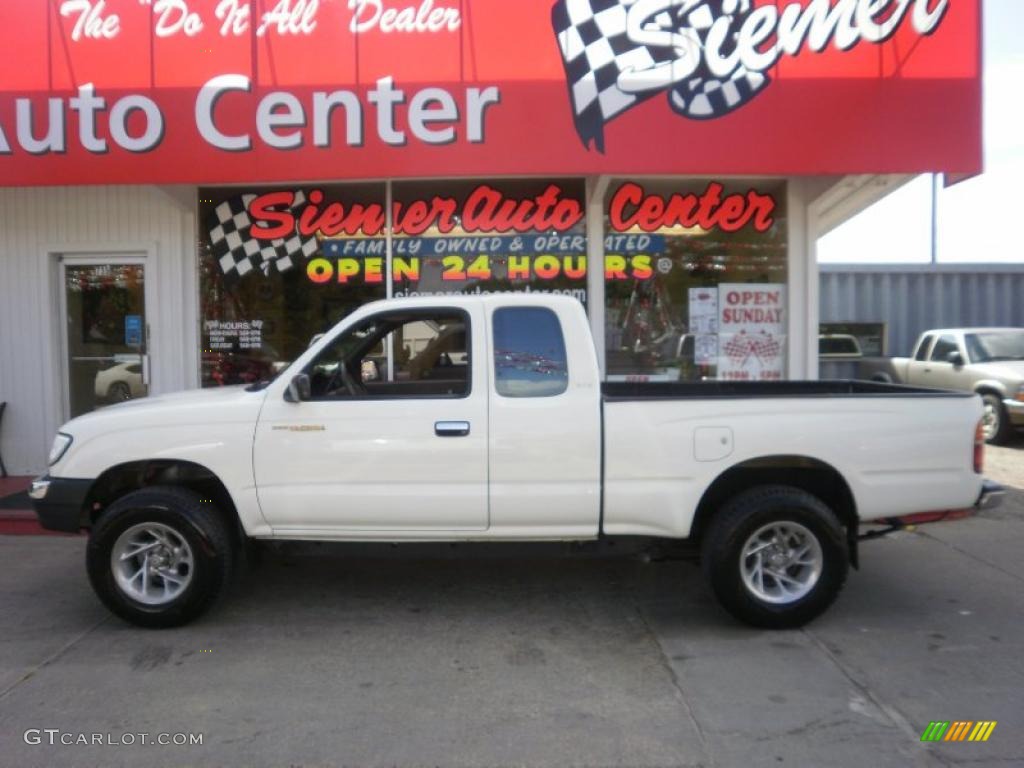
(451, 428)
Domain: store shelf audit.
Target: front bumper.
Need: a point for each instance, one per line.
(60, 502)
(1015, 411)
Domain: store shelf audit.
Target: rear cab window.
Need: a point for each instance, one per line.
(838, 346)
(529, 353)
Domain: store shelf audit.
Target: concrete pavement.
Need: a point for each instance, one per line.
(355, 656)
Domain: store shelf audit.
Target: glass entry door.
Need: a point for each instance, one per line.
(106, 337)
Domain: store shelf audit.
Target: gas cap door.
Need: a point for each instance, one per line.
(712, 443)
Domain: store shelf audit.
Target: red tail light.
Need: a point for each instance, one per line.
(979, 448)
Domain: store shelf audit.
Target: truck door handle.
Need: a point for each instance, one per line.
(451, 428)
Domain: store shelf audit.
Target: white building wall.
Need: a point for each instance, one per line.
(37, 226)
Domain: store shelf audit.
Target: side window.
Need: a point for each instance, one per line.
(942, 348)
(396, 355)
(922, 349)
(529, 353)
(840, 345)
(432, 350)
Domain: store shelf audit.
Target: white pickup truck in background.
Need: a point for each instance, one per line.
(986, 361)
(495, 425)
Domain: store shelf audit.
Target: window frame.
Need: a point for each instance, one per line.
(494, 349)
(412, 315)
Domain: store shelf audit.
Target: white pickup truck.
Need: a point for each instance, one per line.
(986, 361)
(485, 418)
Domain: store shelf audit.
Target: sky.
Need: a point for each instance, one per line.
(976, 219)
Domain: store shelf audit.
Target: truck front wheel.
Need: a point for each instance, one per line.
(995, 423)
(160, 556)
(775, 556)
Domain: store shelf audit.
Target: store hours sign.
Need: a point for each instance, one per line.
(751, 331)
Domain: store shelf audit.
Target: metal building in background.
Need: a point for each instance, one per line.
(908, 299)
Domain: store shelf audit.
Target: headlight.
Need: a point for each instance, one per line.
(61, 443)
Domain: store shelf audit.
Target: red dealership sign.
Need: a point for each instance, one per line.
(217, 91)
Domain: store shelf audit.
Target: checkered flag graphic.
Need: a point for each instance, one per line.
(741, 347)
(737, 348)
(239, 252)
(765, 347)
(608, 72)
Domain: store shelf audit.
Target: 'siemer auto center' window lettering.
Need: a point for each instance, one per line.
(259, 308)
(280, 266)
(695, 280)
(524, 235)
(529, 353)
(695, 270)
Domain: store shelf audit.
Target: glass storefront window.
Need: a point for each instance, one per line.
(695, 280)
(264, 300)
(279, 266)
(486, 237)
(695, 270)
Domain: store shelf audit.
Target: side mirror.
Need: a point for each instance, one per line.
(299, 389)
(955, 358)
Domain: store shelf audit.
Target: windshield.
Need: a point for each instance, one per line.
(995, 346)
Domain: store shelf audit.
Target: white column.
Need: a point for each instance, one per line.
(802, 269)
(594, 201)
(813, 295)
(389, 283)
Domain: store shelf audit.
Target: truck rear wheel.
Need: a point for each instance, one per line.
(160, 556)
(775, 556)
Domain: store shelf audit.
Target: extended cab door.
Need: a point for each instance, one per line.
(943, 374)
(917, 365)
(379, 446)
(545, 420)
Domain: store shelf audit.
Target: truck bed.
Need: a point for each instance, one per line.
(900, 449)
(675, 390)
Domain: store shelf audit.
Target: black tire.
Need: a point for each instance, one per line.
(997, 422)
(199, 523)
(744, 515)
(119, 392)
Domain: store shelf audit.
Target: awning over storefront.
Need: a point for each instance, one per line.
(221, 91)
